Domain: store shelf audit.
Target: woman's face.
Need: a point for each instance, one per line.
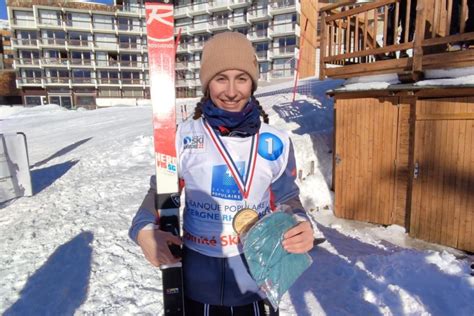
(230, 90)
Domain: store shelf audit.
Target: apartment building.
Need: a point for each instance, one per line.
(77, 54)
(274, 27)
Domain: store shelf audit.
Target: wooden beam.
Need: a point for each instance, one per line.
(446, 116)
(376, 51)
(448, 39)
(362, 8)
(419, 36)
(447, 58)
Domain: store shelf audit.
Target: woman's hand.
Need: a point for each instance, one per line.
(154, 244)
(299, 239)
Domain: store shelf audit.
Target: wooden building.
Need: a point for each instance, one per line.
(405, 154)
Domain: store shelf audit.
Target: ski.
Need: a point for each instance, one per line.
(161, 59)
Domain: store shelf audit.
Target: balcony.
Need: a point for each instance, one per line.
(219, 5)
(76, 43)
(24, 43)
(183, 48)
(86, 81)
(79, 25)
(258, 35)
(258, 14)
(131, 46)
(235, 4)
(181, 65)
(238, 21)
(262, 55)
(109, 64)
(29, 81)
(185, 30)
(79, 62)
(196, 46)
(359, 39)
(283, 29)
(24, 24)
(283, 52)
(129, 64)
(200, 27)
(132, 81)
(282, 7)
(107, 46)
(54, 62)
(195, 64)
(109, 81)
(51, 23)
(27, 62)
(200, 9)
(219, 25)
(57, 81)
(182, 12)
(52, 42)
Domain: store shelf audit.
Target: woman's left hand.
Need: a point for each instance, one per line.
(299, 239)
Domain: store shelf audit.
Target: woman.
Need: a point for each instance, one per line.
(229, 161)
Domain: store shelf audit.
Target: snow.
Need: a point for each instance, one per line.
(65, 250)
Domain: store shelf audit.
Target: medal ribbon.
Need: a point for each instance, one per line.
(243, 184)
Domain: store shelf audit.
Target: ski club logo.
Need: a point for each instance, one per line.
(157, 16)
(270, 146)
(223, 184)
(193, 142)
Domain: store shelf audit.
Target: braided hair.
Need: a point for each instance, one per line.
(198, 108)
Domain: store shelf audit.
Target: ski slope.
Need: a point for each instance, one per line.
(65, 250)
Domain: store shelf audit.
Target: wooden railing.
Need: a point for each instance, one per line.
(395, 36)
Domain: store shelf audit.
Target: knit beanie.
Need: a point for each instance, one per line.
(225, 51)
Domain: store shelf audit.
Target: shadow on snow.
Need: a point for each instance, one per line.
(60, 286)
(43, 178)
(61, 152)
(362, 279)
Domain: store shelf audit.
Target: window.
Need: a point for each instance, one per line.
(57, 76)
(130, 93)
(106, 41)
(79, 39)
(103, 22)
(26, 38)
(53, 37)
(128, 24)
(129, 60)
(23, 18)
(130, 77)
(109, 77)
(31, 76)
(50, 17)
(81, 76)
(126, 41)
(109, 92)
(80, 58)
(79, 20)
(33, 100)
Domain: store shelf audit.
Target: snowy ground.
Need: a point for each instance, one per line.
(66, 251)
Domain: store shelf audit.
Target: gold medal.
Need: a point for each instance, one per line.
(244, 219)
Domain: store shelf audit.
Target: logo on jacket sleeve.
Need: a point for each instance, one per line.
(223, 184)
(193, 142)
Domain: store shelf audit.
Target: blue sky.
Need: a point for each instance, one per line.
(3, 9)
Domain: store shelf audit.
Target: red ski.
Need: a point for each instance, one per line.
(161, 59)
